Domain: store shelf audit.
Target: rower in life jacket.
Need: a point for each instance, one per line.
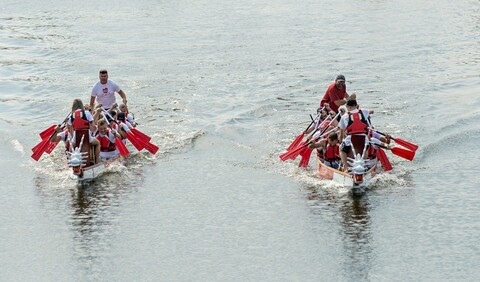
(332, 151)
(106, 138)
(328, 150)
(354, 128)
(80, 125)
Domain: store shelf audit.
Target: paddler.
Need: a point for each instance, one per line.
(354, 122)
(82, 120)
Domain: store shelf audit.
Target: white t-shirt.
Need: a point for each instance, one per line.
(105, 93)
(88, 115)
(130, 118)
(344, 120)
(344, 123)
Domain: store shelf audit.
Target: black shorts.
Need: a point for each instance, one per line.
(346, 149)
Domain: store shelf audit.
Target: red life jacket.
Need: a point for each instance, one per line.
(332, 153)
(79, 120)
(105, 144)
(357, 124)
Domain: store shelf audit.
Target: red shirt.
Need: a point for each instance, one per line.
(333, 94)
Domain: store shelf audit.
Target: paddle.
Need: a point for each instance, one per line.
(384, 161)
(403, 153)
(47, 132)
(294, 153)
(404, 143)
(140, 141)
(141, 144)
(46, 145)
(140, 134)
(307, 152)
(41, 147)
(300, 136)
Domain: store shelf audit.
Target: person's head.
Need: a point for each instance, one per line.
(102, 126)
(123, 108)
(121, 117)
(87, 107)
(340, 81)
(103, 76)
(351, 104)
(332, 138)
(323, 112)
(342, 109)
(77, 104)
(113, 113)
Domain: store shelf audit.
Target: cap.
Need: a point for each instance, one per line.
(352, 103)
(340, 77)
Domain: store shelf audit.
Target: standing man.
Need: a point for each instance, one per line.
(104, 91)
(336, 94)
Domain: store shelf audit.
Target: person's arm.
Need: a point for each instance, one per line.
(92, 102)
(123, 95)
(56, 137)
(325, 99)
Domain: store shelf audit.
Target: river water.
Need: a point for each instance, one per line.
(223, 87)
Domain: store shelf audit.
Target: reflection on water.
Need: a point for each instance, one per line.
(91, 212)
(355, 227)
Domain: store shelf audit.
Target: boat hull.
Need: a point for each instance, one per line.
(91, 172)
(356, 184)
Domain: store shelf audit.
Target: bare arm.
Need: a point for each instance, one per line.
(92, 102)
(123, 95)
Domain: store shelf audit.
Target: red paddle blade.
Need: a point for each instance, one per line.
(406, 154)
(151, 148)
(141, 135)
(51, 146)
(40, 149)
(47, 132)
(292, 154)
(295, 142)
(382, 157)
(406, 144)
(122, 149)
(134, 141)
(34, 149)
(307, 152)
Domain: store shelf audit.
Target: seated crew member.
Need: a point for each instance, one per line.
(354, 122)
(106, 138)
(82, 120)
(328, 150)
(128, 116)
(62, 135)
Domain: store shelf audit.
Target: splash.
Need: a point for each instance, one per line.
(17, 146)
